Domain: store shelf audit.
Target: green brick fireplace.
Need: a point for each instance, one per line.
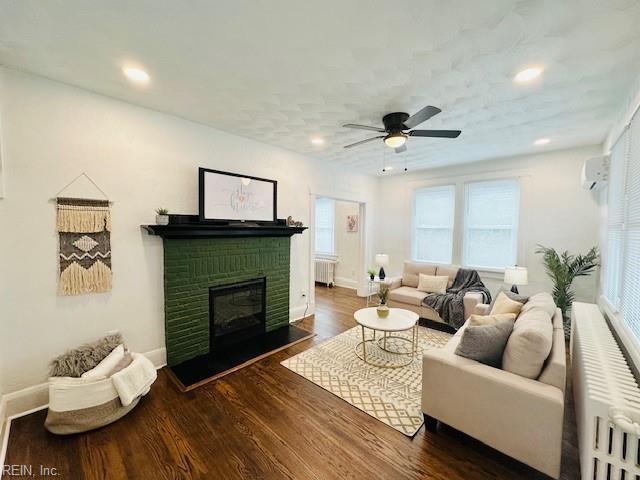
(192, 266)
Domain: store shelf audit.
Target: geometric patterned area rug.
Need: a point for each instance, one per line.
(391, 395)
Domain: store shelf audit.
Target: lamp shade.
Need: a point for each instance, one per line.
(382, 259)
(516, 276)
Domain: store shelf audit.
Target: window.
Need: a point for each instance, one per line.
(622, 259)
(325, 226)
(434, 212)
(615, 222)
(491, 224)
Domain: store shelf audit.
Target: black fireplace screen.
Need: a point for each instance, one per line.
(236, 312)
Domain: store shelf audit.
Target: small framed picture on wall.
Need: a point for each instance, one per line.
(352, 223)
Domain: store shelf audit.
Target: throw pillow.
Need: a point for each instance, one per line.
(485, 343)
(82, 359)
(513, 296)
(432, 283)
(475, 320)
(529, 344)
(504, 304)
(109, 362)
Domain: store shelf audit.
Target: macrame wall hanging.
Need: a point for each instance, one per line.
(84, 228)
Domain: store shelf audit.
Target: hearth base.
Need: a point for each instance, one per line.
(206, 368)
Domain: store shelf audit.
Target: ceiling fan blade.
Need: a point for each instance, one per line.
(435, 133)
(363, 141)
(401, 149)
(365, 127)
(422, 116)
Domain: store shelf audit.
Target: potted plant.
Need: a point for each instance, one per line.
(383, 296)
(372, 273)
(162, 216)
(563, 269)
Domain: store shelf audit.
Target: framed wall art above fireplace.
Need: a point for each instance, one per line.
(233, 197)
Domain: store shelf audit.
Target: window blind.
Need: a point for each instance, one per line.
(615, 221)
(491, 224)
(325, 225)
(630, 296)
(434, 212)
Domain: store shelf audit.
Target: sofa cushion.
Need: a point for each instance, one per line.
(475, 320)
(432, 283)
(450, 271)
(504, 304)
(411, 271)
(540, 300)
(529, 344)
(485, 343)
(409, 295)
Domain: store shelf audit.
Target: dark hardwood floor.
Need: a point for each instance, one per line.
(265, 421)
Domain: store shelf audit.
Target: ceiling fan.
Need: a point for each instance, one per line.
(398, 125)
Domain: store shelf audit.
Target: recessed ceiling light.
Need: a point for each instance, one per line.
(541, 141)
(136, 75)
(386, 169)
(528, 74)
(317, 141)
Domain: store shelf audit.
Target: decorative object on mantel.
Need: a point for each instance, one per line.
(563, 269)
(84, 229)
(293, 223)
(162, 216)
(383, 295)
(352, 223)
(382, 260)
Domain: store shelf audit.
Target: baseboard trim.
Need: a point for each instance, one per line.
(31, 399)
(345, 282)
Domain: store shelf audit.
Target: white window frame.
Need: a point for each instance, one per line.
(415, 227)
(515, 228)
(319, 253)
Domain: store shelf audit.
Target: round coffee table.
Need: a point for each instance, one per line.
(398, 320)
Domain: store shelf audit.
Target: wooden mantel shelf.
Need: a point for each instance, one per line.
(202, 230)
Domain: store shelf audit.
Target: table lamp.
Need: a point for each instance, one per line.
(382, 260)
(516, 276)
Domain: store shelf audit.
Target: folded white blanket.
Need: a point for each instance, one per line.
(134, 380)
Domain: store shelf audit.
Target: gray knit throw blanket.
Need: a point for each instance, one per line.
(450, 305)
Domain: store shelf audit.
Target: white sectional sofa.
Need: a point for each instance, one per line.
(404, 293)
(521, 417)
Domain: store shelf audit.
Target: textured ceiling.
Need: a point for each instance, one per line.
(283, 71)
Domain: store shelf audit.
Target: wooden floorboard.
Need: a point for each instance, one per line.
(265, 422)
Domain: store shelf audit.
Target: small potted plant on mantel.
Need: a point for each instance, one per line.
(162, 216)
(372, 273)
(383, 296)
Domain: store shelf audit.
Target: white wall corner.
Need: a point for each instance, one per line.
(298, 313)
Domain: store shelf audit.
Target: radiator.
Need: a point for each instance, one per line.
(607, 400)
(325, 270)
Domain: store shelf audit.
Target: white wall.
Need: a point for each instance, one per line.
(347, 246)
(554, 210)
(143, 159)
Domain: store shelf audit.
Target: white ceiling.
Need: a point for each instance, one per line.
(283, 71)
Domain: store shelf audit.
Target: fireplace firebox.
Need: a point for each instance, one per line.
(237, 312)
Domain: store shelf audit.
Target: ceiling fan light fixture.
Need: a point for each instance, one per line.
(395, 140)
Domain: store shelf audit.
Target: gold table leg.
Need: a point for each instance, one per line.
(364, 347)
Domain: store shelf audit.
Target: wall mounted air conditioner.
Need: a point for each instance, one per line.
(595, 173)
